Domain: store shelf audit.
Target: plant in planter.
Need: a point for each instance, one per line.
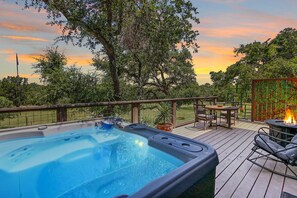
(163, 119)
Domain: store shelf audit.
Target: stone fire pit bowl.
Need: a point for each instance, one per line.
(279, 125)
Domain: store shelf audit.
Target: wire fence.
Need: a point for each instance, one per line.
(27, 118)
(148, 111)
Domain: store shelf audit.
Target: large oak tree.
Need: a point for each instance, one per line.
(105, 26)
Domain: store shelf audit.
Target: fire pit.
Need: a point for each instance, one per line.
(288, 125)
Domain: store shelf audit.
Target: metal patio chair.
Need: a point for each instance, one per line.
(234, 114)
(201, 114)
(286, 154)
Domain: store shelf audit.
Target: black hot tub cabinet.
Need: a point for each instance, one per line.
(196, 178)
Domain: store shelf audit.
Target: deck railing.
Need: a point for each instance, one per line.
(134, 111)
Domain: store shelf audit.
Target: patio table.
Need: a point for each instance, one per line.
(229, 109)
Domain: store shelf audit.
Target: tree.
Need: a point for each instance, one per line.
(63, 84)
(154, 61)
(273, 58)
(4, 102)
(51, 61)
(14, 89)
(258, 54)
(36, 94)
(50, 66)
(176, 71)
(82, 87)
(102, 23)
(281, 68)
(285, 44)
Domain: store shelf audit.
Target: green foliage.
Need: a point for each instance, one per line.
(186, 90)
(14, 89)
(153, 62)
(67, 84)
(164, 115)
(176, 72)
(18, 91)
(285, 44)
(280, 68)
(52, 61)
(36, 95)
(71, 85)
(4, 102)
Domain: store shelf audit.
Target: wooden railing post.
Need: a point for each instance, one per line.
(214, 101)
(253, 101)
(61, 114)
(173, 113)
(196, 102)
(134, 113)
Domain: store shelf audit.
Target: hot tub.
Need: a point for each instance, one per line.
(81, 160)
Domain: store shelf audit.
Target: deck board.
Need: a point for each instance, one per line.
(235, 176)
(276, 183)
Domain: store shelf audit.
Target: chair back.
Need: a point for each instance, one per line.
(235, 104)
(199, 109)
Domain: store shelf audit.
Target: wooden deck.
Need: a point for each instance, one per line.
(235, 176)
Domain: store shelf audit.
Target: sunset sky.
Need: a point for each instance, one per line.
(224, 25)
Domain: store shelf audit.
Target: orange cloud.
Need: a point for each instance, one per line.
(29, 20)
(231, 32)
(7, 51)
(23, 58)
(81, 60)
(216, 49)
(213, 56)
(204, 65)
(16, 27)
(254, 25)
(29, 75)
(255, 17)
(25, 38)
(22, 75)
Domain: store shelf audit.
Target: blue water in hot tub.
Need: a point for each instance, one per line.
(88, 162)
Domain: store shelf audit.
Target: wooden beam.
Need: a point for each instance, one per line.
(96, 104)
(61, 114)
(134, 113)
(214, 101)
(253, 100)
(173, 113)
